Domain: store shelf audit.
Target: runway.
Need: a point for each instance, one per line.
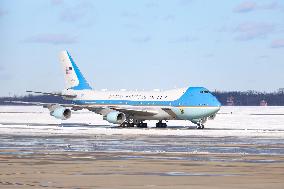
(117, 161)
(39, 152)
(147, 144)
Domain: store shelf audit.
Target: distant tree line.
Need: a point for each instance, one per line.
(249, 98)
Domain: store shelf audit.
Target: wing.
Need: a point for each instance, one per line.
(47, 105)
(170, 112)
(130, 110)
(53, 94)
(103, 110)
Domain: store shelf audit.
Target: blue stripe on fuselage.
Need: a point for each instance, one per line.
(193, 96)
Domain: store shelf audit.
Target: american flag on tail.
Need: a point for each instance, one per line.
(68, 70)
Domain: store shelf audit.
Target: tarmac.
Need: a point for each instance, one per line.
(115, 161)
(38, 153)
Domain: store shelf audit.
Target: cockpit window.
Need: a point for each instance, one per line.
(204, 91)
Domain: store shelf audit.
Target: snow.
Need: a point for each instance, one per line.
(251, 117)
(231, 121)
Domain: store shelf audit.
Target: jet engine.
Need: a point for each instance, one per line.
(115, 117)
(60, 112)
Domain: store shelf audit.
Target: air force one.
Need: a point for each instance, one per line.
(131, 108)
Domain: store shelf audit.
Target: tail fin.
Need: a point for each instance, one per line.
(74, 79)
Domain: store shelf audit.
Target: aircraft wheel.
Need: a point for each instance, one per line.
(161, 125)
(200, 126)
(127, 124)
(142, 125)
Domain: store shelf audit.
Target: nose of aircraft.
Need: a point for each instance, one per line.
(214, 109)
(217, 108)
(216, 103)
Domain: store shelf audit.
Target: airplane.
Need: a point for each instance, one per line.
(130, 108)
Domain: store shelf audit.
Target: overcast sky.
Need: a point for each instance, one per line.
(145, 44)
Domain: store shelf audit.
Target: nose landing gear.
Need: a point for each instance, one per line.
(199, 122)
(200, 126)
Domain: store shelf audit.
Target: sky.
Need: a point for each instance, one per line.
(147, 44)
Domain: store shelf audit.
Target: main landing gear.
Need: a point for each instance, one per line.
(160, 124)
(134, 123)
(142, 125)
(127, 124)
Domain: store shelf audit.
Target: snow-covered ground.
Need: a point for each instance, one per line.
(231, 121)
(251, 117)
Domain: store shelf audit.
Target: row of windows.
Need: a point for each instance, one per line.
(147, 103)
(136, 103)
(138, 97)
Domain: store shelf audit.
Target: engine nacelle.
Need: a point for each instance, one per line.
(115, 117)
(61, 113)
